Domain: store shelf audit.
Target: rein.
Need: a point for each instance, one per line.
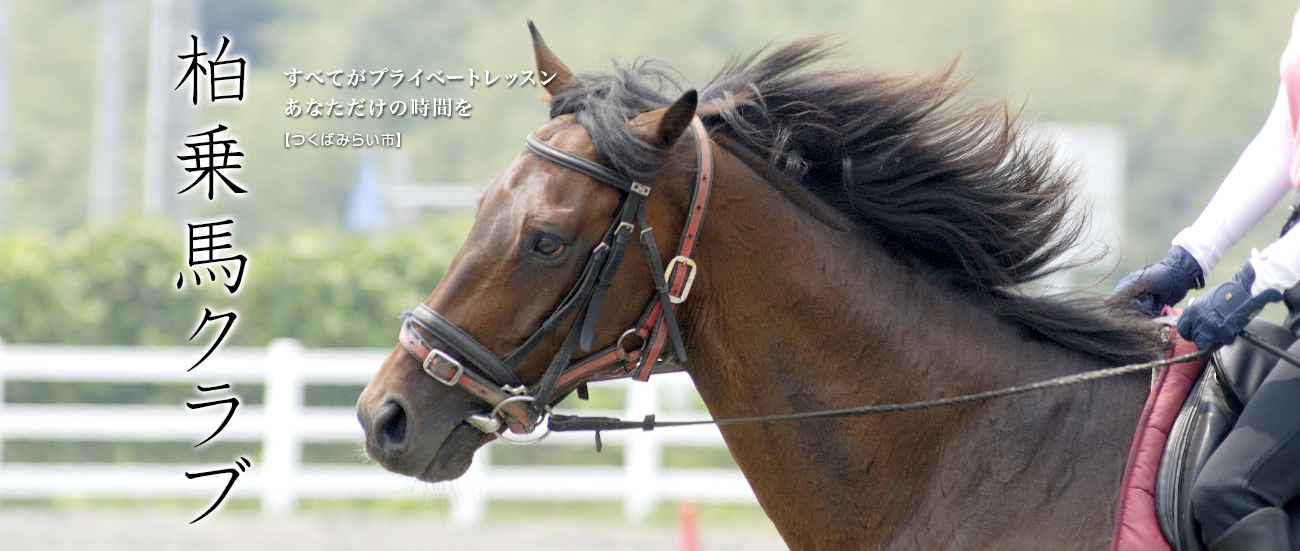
(638, 350)
(575, 423)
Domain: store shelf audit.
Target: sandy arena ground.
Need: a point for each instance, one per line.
(107, 530)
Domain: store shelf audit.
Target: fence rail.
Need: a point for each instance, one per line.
(283, 423)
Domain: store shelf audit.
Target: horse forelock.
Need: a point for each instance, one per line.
(946, 183)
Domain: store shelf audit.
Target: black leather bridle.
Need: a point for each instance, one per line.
(521, 408)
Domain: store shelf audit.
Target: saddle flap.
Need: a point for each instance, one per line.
(1205, 419)
(1203, 422)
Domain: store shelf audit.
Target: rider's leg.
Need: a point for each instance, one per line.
(1258, 465)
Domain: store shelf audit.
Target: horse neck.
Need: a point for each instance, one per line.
(792, 315)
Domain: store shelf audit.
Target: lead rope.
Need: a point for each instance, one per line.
(574, 423)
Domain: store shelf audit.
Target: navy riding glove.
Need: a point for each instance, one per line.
(1218, 316)
(1161, 284)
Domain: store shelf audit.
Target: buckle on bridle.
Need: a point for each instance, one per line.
(442, 356)
(491, 422)
(528, 438)
(687, 264)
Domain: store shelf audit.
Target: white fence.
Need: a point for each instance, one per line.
(284, 423)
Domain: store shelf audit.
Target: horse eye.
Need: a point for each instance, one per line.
(548, 245)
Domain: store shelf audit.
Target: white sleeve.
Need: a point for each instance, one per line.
(1252, 188)
(1278, 265)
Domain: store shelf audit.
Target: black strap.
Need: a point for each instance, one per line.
(584, 325)
(546, 386)
(666, 310)
(621, 239)
(578, 164)
(1291, 220)
(577, 295)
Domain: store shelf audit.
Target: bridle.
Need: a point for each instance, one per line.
(475, 369)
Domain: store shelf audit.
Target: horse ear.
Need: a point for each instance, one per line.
(676, 119)
(549, 67)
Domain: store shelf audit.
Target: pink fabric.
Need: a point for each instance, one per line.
(1290, 71)
(1136, 526)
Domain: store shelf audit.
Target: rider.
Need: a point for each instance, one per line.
(1240, 496)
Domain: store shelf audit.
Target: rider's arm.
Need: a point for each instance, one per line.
(1278, 265)
(1256, 183)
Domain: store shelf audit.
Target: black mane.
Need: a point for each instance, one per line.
(946, 184)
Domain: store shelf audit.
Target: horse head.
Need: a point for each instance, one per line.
(486, 351)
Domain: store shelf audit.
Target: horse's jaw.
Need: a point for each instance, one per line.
(420, 433)
(452, 459)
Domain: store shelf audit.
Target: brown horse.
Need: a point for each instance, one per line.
(866, 240)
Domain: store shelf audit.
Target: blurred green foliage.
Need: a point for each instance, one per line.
(101, 284)
(1189, 81)
(115, 284)
(328, 289)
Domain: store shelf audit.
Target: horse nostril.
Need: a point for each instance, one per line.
(390, 427)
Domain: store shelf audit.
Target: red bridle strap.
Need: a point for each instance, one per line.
(681, 269)
(446, 370)
(616, 361)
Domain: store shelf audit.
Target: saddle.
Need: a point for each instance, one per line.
(1205, 419)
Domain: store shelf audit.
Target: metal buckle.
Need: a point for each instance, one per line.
(688, 264)
(640, 189)
(492, 422)
(530, 437)
(496, 411)
(633, 332)
(460, 369)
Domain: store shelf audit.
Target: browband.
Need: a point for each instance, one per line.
(578, 164)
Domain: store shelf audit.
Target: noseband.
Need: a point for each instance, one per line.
(472, 367)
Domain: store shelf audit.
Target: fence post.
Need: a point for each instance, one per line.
(642, 454)
(468, 498)
(281, 443)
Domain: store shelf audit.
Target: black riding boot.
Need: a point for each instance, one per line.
(1264, 530)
